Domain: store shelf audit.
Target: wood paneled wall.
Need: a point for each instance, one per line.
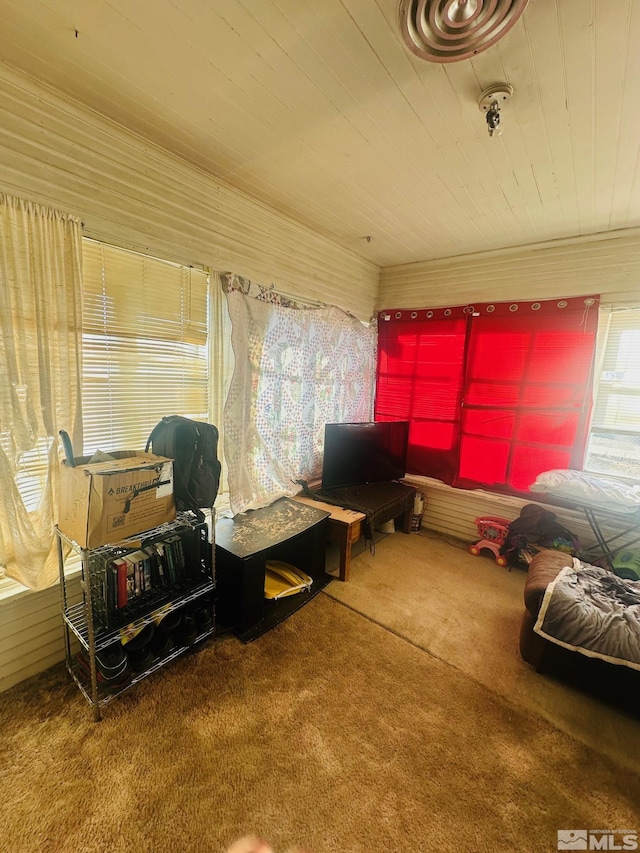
(604, 264)
(133, 194)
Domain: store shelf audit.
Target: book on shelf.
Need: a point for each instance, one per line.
(130, 580)
(119, 567)
(176, 557)
(132, 592)
(138, 559)
(163, 563)
(152, 567)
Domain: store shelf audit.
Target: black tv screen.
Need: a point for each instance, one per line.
(355, 454)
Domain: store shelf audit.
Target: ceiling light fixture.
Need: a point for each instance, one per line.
(491, 102)
(451, 30)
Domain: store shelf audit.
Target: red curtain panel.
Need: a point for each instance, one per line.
(527, 390)
(419, 378)
(495, 393)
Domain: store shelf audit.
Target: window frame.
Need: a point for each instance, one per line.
(33, 464)
(614, 321)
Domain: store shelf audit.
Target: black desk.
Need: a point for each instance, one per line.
(380, 502)
(286, 530)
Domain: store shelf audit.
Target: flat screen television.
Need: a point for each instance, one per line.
(360, 453)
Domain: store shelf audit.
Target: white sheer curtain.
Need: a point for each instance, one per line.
(221, 362)
(40, 366)
(295, 370)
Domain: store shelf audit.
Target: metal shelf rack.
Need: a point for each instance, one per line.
(79, 619)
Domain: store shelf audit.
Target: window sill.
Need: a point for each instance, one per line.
(11, 590)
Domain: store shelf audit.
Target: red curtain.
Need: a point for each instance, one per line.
(495, 394)
(420, 376)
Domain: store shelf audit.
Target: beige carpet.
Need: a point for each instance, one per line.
(329, 732)
(466, 611)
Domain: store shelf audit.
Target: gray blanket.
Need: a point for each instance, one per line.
(592, 611)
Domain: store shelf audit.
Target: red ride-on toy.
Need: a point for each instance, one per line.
(493, 531)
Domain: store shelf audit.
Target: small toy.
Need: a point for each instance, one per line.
(493, 532)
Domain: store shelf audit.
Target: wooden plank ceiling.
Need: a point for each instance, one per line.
(319, 110)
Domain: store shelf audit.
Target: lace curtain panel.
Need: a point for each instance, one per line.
(40, 365)
(296, 368)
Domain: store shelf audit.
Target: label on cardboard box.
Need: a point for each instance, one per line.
(166, 478)
(104, 502)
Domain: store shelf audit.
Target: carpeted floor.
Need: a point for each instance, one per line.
(466, 611)
(330, 732)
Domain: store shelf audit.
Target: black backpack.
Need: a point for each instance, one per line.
(196, 469)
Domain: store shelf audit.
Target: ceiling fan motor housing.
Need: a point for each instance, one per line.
(452, 30)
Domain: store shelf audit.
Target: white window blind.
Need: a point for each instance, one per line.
(144, 346)
(614, 446)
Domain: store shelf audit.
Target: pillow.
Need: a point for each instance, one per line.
(588, 489)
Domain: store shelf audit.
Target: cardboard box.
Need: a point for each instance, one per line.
(104, 502)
